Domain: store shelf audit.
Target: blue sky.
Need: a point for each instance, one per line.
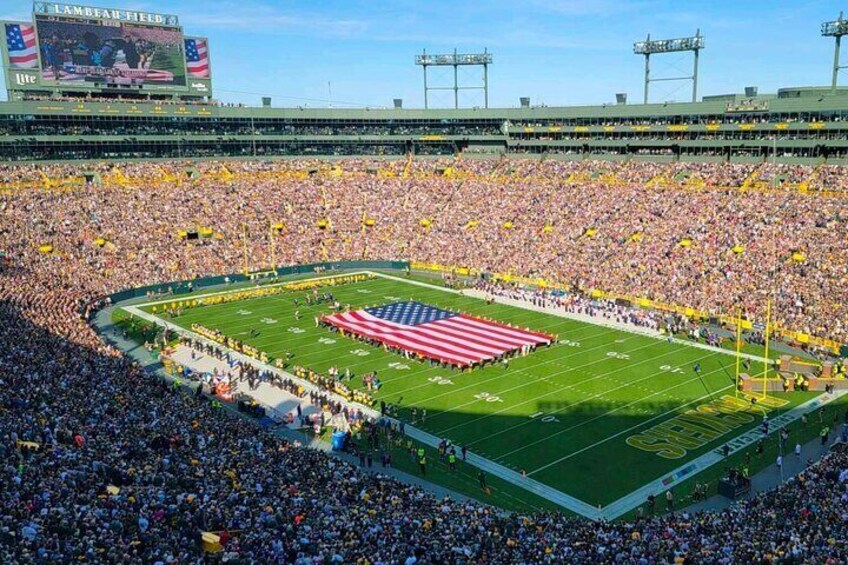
(558, 52)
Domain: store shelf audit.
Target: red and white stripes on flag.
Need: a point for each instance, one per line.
(458, 340)
(197, 58)
(22, 47)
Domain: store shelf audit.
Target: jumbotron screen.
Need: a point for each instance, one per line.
(102, 52)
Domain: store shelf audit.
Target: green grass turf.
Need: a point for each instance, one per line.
(595, 389)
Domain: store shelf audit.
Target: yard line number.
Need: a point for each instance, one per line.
(617, 355)
(487, 397)
(440, 381)
(549, 419)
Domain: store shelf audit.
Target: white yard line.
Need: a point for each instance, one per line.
(514, 477)
(416, 283)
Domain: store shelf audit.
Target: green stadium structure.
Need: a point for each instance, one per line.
(796, 125)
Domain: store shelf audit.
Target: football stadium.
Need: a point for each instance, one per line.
(613, 333)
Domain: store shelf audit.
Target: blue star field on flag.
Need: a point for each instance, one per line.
(410, 313)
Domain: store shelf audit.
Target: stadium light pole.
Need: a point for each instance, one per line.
(835, 29)
(456, 60)
(682, 44)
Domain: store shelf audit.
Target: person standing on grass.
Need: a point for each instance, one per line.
(422, 465)
(669, 501)
(652, 502)
(798, 451)
(452, 460)
(481, 479)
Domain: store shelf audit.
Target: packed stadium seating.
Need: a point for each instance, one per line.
(173, 457)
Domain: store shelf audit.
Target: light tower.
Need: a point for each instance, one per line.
(835, 29)
(649, 47)
(456, 60)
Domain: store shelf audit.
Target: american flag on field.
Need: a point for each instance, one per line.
(20, 42)
(431, 332)
(197, 58)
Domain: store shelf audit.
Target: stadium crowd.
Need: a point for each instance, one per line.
(177, 465)
(585, 224)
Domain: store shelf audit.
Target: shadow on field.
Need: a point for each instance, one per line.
(599, 450)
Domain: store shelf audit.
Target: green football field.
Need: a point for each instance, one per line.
(562, 415)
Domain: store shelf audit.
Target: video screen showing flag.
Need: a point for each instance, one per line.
(448, 337)
(21, 46)
(197, 57)
(75, 50)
